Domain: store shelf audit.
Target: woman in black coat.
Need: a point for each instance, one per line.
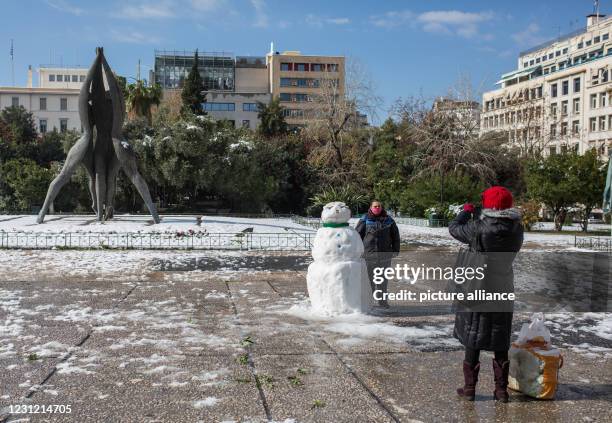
(497, 229)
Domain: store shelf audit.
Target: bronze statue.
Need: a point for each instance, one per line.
(102, 149)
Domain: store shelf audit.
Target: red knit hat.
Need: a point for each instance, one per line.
(498, 198)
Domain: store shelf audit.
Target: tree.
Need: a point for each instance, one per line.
(20, 124)
(193, 91)
(589, 178)
(272, 121)
(141, 99)
(28, 181)
(550, 182)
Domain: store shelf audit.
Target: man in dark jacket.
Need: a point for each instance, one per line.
(381, 242)
(498, 229)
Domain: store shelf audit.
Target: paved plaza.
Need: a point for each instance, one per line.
(162, 342)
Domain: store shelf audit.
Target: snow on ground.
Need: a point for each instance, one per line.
(143, 223)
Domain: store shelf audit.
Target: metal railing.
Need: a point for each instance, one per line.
(599, 243)
(295, 241)
(315, 223)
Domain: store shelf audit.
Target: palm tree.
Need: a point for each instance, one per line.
(141, 98)
(272, 119)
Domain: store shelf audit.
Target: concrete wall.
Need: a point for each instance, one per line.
(238, 99)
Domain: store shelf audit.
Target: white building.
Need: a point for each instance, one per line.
(559, 97)
(54, 103)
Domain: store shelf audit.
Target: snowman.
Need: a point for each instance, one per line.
(337, 279)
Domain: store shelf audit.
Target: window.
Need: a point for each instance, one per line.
(538, 60)
(286, 82)
(558, 53)
(593, 101)
(81, 78)
(332, 67)
(575, 127)
(602, 123)
(551, 55)
(59, 78)
(63, 104)
(531, 62)
(565, 88)
(552, 150)
(593, 124)
(596, 39)
(563, 149)
(539, 91)
(285, 97)
(316, 67)
(576, 106)
(51, 78)
(588, 43)
(553, 110)
(301, 67)
(75, 78)
(580, 45)
(42, 103)
(604, 37)
(15, 101)
(553, 130)
(576, 85)
(42, 126)
(250, 107)
(564, 107)
(66, 78)
(563, 128)
(219, 107)
(565, 50)
(602, 100)
(63, 125)
(553, 90)
(525, 64)
(286, 66)
(246, 123)
(604, 75)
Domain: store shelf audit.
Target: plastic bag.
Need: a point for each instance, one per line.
(534, 362)
(534, 333)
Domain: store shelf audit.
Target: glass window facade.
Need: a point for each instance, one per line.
(250, 107)
(219, 107)
(217, 69)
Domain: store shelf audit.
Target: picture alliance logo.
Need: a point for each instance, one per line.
(411, 274)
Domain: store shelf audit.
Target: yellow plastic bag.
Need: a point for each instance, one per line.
(534, 362)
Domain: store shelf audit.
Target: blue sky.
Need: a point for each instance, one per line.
(414, 47)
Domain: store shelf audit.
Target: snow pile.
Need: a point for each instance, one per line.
(337, 279)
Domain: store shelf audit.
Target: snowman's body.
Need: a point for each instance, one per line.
(337, 279)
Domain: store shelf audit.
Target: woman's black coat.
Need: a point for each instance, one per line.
(498, 231)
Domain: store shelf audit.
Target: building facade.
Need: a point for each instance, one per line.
(234, 85)
(298, 79)
(54, 103)
(559, 97)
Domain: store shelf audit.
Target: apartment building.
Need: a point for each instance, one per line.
(298, 79)
(235, 85)
(559, 97)
(54, 102)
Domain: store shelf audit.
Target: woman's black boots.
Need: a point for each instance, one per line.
(500, 373)
(470, 375)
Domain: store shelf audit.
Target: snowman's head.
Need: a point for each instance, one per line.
(335, 212)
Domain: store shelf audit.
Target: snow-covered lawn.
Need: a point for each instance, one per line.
(143, 223)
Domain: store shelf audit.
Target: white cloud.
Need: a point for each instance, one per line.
(448, 22)
(207, 5)
(66, 7)
(133, 37)
(392, 19)
(529, 36)
(319, 21)
(159, 10)
(261, 18)
(463, 24)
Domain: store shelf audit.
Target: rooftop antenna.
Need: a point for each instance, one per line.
(12, 64)
(596, 10)
(272, 47)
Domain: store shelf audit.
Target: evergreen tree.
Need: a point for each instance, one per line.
(193, 91)
(272, 120)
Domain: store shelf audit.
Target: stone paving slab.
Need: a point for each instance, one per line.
(213, 346)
